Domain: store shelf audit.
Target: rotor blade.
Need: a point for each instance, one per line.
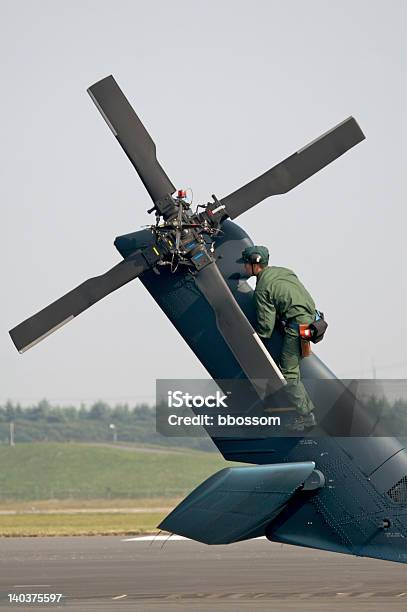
(132, 136)
(296, 168)
(46, 321)
(240, 336)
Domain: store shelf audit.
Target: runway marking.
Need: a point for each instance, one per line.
(164, 538)
(283, 596)
(20, 586)
(174, 538)
(86, 511)
(401, 595)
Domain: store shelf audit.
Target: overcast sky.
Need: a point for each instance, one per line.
(226, 89)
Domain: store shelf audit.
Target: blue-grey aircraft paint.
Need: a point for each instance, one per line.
(354, 512)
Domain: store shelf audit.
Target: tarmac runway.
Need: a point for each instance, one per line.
(112, 573)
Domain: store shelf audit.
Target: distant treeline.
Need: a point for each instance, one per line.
(391, 415)
(99, 422)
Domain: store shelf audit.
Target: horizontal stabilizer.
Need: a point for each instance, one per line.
(237, 503)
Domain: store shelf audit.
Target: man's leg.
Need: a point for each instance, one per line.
(290, 368)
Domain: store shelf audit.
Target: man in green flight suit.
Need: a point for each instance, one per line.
(279, 294)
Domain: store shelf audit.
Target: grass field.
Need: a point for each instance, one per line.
(40, 471)
(115, 504)
(97, 523)
(77, 489)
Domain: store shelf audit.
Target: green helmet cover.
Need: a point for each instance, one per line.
(256, 254)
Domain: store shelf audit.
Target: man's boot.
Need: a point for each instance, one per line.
(303, 422)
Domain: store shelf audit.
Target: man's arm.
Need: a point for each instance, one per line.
(266, 314)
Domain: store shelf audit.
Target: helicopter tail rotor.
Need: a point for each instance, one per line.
(53, 317)
(296, 168)
(132, 136)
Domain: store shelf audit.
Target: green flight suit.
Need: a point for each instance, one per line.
(280, 294)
